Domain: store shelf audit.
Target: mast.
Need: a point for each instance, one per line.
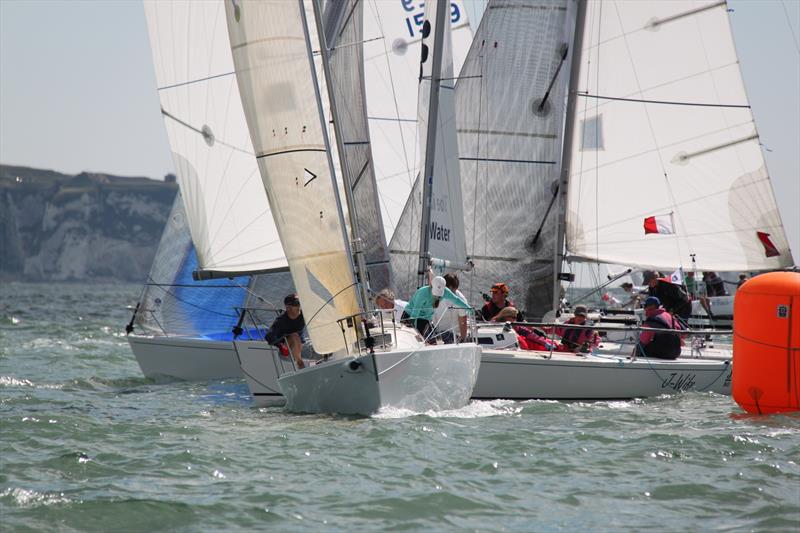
(325, 130)
(357, 246)
(442, 10)
(566, 154)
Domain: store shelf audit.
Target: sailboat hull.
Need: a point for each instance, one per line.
(184, 358)
(429, 378)
(521, 375)
(261, 364)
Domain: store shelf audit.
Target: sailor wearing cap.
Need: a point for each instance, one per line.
(577, 339)
(497, 303)
(666, 345)
(286, 329)
(421, 306)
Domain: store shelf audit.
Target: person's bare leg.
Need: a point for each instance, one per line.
(462, 328)
(295, 348)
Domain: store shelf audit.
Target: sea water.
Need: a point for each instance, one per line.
(87, 443)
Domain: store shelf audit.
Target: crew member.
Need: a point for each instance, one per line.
(387, 300)
(577, 339)
(670, 295)
(497, 302)
(286, 329)
(423, 303)
(660, 345)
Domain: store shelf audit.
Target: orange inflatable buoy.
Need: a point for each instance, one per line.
(766, 343)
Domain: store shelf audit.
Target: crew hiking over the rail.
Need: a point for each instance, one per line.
(286, 330)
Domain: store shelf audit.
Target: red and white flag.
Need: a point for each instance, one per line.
(659, 224)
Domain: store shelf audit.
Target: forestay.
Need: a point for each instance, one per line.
(392, 37)
(275, 71)
(226, 206)
(663, 129)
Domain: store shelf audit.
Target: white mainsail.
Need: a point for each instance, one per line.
(276, 76)
(392, 38)
(226, 206)
(663, 129)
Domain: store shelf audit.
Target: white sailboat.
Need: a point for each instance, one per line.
(680, 140)
(183, 328)
(369, 365)
(656, 109)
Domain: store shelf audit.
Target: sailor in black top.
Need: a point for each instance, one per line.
(498, 302)
(287, 329)
(670, 295)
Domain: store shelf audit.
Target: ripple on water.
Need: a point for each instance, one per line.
(10, 381)
(88, 443)
(31, 498)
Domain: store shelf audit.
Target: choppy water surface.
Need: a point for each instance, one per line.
(86, 443)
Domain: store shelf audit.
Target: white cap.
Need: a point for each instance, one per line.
(437, 286)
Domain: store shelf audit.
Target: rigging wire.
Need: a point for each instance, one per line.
(481, 94)
(791, 28)
(376, 14)
(597, 159)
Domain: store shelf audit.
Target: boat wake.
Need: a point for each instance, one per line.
(475, 409)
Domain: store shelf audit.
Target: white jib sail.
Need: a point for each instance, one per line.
(392, 38)
(445, 231)
(274, 68)
(229, 217)
(663, 127)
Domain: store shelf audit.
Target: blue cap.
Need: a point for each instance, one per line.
(652, 300)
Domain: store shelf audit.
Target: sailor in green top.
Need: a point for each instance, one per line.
(421, 306)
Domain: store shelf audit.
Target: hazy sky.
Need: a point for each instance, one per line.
(77, 90)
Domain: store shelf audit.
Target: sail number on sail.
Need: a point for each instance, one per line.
(415, 20)
(437, 232)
